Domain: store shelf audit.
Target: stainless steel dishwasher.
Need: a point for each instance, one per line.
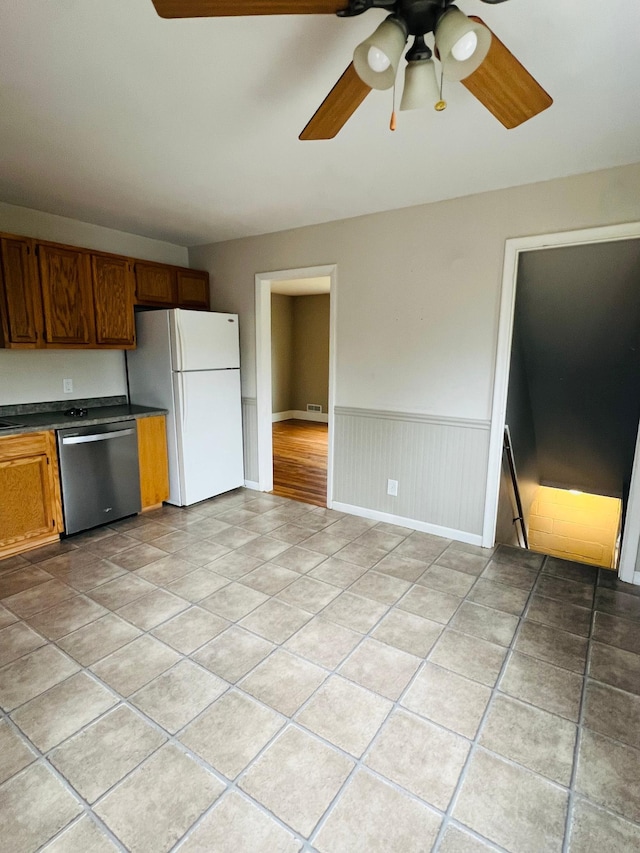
(99, 474)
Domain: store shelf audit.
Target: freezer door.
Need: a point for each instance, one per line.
(201, 340)
(209, 426)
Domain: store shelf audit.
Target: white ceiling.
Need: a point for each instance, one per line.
(187, 130)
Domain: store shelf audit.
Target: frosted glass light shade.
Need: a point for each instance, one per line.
(388, 42)
(420, 85)
(452, 33)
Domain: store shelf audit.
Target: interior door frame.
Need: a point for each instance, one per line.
(264, 281)
(513, 248)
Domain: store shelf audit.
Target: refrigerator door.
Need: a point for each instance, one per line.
(201, 340)
(209, 428)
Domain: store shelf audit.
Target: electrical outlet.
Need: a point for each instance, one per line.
(392, 488)
(67, 386)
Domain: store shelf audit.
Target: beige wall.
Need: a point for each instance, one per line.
(310, 365)
(417, 298)
(281, 351)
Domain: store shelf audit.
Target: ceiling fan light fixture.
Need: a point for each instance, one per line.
(376, 60)
(462, 44)
(420, 85)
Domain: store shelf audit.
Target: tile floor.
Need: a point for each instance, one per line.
(254, 674)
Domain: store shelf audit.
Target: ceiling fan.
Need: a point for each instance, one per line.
(467, 49)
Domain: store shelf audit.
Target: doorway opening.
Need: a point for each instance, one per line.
(295, 370)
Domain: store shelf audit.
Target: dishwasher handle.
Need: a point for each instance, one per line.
(101, 436)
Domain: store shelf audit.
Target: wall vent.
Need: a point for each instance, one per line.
(313, 407)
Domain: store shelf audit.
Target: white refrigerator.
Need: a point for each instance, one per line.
(188, 362)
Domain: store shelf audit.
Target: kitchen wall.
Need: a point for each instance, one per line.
(417, 316)
(31, 376)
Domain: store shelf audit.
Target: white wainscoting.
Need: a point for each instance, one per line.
(250, 441)
(440, 465)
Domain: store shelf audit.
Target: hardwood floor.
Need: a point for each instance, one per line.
(300, 461)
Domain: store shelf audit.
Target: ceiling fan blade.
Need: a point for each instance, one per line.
(223, 8)
(505, 87)
(338, 107)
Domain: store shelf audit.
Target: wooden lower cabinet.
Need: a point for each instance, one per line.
(154, 464)
(30, 505)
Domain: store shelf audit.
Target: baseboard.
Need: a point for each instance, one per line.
(250, 484)
(298, 415)
(636, 578)
(422, 526)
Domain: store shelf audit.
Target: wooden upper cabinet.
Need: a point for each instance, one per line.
(20, 304)
(155, 284)
(113, 295)
(192, 289)
(65, 279)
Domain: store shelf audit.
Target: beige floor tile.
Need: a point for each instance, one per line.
(345, 714)
(201, 552)
(566, 591)
(469, 656)
(162, 572)
(544, 685)
(174, 698)
(234, 601)
(381, 668)
(18, 561)
(404, 568)
(235, 825)
(616, 667)
(299, 559)
(55, 715)
(27, 677)
(614, 631)
(325, 543)
(148, 531)
(553, 646)
(110, 545)
(83, 837)
(593, 829)
(408, 632)
(383, 539)
(38, 598)
(373, 817)
(15, 754)
(486, 623)
(430, 604)
(463, 561)
(67, 617)
(423, 546)
(134, 665)
(309, 594)
(355, 612)
(455, 840)
(85, 578)
(17, 640)
(233, 653)
(361, 555)
(492, 788)
(35, 806)
(75, 559)
(518, 556)
(174, 541)
(6, 617)
(534, 738)
(618, 603)
(351, 526)
(231, 732)
(191, 629)
(559, 614)
(570, 570)
(510, 599)
(340, 573)
(446, 580)
(138, 556)
(152, 609)
(234, 565)
(613, 713)
(296, 778)
(101, 755)
(121, 591)
(283, 681)
(448, 699)
(98, 639)
(421, 757)
(608, 774)
(510, 575)
(275, 620)
(264, 547)
(379, 587)
(323, 642)
(22, 579)
(269, 578)
(156, 805)
(197, 585)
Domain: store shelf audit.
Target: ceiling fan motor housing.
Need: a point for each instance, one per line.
(419, 16)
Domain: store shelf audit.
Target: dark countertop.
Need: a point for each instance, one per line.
(37, 421)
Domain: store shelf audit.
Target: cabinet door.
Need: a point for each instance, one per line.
(65, 277)
(154, 465)
(20, 303)
(113, 294)
(155, 284)
(193, 289)
(30, 512)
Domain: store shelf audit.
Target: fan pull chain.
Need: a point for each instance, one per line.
(392, 123)
(441, 105)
